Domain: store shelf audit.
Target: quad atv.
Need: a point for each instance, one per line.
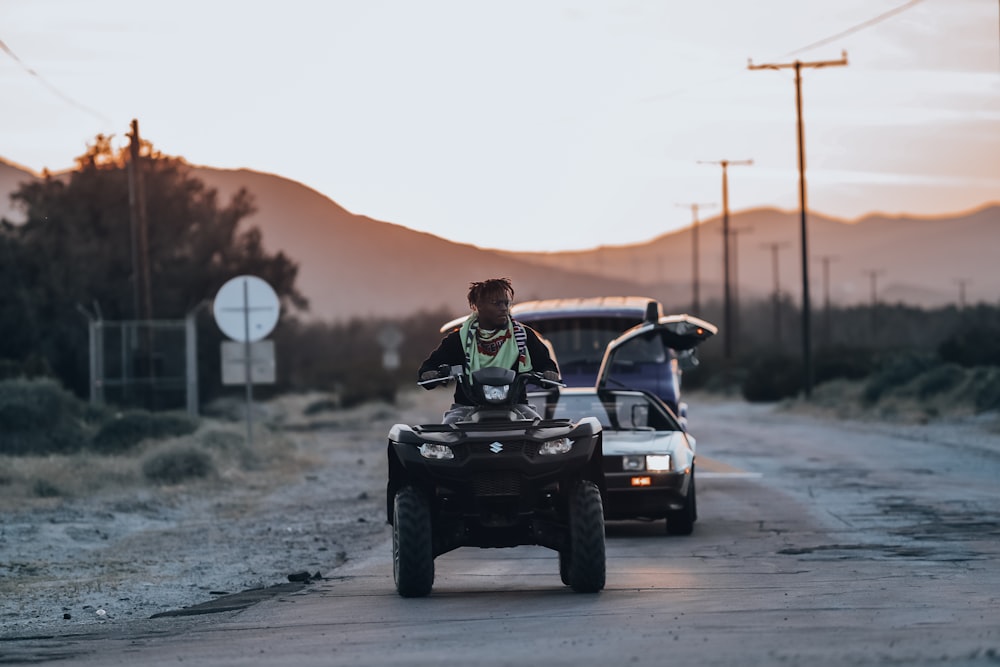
(496, 479)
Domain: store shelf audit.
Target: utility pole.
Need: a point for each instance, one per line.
(727, 306)
(735, 233)
(695, 301)
(962, 282)
(143, 292)
(776, 293)
(806, 312)
(827, 323)
(873, 275)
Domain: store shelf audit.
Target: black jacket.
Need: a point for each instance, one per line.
(451, 352)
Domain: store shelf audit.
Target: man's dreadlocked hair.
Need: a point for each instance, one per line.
(489, 287)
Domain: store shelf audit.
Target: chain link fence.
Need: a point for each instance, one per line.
(148, 364)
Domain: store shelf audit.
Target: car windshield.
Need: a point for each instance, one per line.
(580, 341)
(617, 411)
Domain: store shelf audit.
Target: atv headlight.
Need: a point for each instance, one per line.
(633, 463)
(658, 462)
(436, 452)
(557, 446)
(496, 393)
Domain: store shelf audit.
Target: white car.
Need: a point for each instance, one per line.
(649, 458)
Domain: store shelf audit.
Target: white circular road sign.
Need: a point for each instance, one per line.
(246, 308)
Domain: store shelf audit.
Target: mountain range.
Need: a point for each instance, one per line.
(353, 266)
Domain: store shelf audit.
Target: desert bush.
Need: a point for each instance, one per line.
(939, 379)
(40, 417)
(974, 346)
(128, 429)
(723, 380)
(772, 378)
(222, 440)
(34, 366)
(321, 405)
(894, 373)
(842, 362)
(987, 382)
(172, 465)
(43, 488)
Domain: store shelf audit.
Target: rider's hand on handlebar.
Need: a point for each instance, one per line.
(552, 376)
(429, 375)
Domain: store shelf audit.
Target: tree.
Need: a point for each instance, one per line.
(74, 252)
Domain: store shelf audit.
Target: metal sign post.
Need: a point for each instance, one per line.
(246, 309)
(390, 338)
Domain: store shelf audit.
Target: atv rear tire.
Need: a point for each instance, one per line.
(412, 551)
(587, 555)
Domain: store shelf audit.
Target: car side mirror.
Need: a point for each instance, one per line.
(640, 416)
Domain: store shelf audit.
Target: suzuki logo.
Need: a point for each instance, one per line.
(496, 448)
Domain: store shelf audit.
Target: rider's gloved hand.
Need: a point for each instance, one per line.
(551, 376)
(429, 375)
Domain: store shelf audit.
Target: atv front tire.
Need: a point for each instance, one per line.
(586, 572)
(564, 560)
(412, 551)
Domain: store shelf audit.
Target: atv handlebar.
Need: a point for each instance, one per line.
(448, 373)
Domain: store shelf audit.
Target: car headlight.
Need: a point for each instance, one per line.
(436, 452)
(658, 462)
(557, 446)
(496, 393)
(633, 463)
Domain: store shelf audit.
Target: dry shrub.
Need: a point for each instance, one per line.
(39, 417)
(177, 463)
(128, 429)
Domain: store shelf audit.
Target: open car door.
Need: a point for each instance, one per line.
(650, 343)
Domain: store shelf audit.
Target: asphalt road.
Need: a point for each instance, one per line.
(818, 543)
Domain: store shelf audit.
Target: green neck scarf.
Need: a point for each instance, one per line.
(484, 349)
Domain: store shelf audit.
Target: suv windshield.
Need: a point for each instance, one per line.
(581, 341)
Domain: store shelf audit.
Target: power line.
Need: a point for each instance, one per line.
(855, 28)
(52, 89)
(858, 27)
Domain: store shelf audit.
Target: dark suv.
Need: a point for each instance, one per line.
(579, 331)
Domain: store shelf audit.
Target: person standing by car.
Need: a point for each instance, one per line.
(487, 338)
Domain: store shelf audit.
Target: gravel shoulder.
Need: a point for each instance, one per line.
(304, 498)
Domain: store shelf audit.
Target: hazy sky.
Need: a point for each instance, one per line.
(526, 124)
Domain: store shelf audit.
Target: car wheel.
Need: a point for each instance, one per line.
(586, 572)
(681, 522)
(412, 551)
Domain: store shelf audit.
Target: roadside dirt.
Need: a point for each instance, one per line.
(304, 498)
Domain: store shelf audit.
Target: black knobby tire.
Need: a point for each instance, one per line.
(412, 550)
(586, 524)
(681, 522)
(564, 559)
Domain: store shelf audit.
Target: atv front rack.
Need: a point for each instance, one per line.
(487, 426)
